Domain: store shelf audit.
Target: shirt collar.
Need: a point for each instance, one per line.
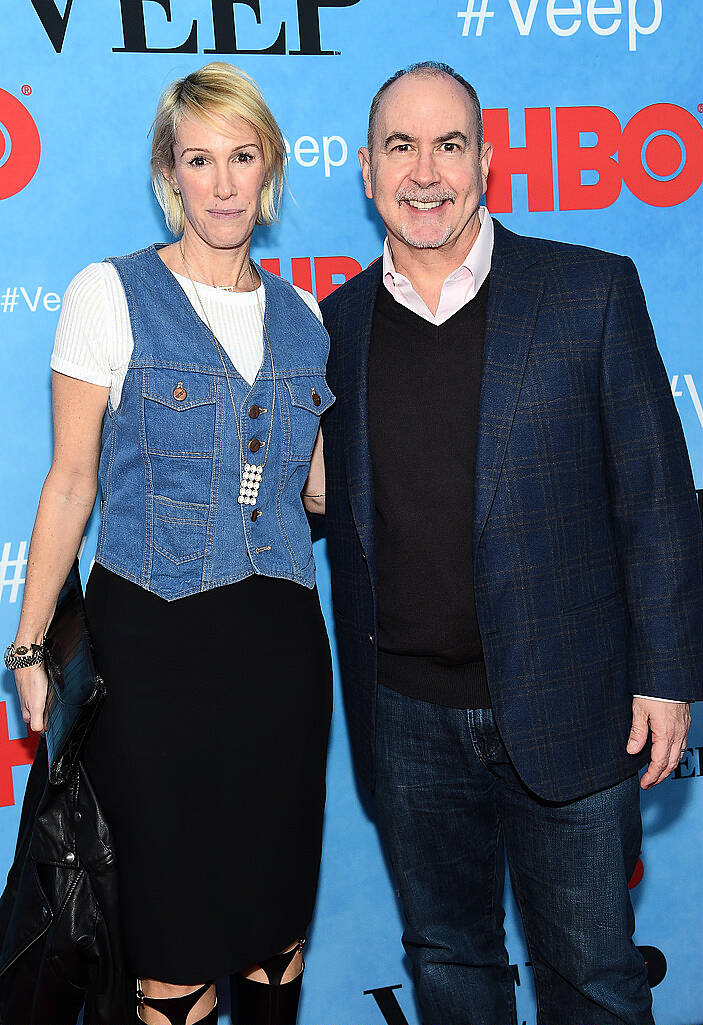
(477, 262)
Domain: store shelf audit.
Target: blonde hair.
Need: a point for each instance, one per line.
(215, 91)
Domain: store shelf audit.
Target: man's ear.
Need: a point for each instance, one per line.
(365, 161)
(486, 155)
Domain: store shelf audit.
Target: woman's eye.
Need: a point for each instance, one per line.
(244, 157)
(197, 162)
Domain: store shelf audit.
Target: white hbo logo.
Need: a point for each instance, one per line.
(566, 17)
(308, 152)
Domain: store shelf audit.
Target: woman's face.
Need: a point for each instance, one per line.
(220, 173)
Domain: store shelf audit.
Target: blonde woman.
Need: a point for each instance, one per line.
(189, 383)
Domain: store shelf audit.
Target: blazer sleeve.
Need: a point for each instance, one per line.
(653, 501)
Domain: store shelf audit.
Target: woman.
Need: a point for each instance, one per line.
(189, 382)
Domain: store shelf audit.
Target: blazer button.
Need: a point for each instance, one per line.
(316, 400)
(254, 445)
(254, 411)
(254, 514)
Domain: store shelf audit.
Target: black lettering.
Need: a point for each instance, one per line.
(134, 30)
(656, 964)
(388, 1005)
(225, 32)
(309, 25)
(678, 772)
(54, 25)
(700, 760)
(516, 973)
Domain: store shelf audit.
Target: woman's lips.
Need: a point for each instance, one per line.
(224, 214)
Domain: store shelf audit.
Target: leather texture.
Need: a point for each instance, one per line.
(60, 945)
(75, 689)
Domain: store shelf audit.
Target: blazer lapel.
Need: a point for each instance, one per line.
(513, 301)
(354, 365)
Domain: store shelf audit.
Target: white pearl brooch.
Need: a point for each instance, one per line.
(251, 482)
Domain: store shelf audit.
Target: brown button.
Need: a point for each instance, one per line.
(255, 513)
(179, 392)
(254, 411)
(254, 445)
(316, 400)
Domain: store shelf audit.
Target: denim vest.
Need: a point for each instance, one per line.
(170, 458)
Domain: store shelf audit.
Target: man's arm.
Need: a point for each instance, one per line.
(657, 525)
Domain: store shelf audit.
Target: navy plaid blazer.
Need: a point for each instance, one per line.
(586, 531)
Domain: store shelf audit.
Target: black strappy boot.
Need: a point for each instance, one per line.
(275, 1003)
(177, 1009)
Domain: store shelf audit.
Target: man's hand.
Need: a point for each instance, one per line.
(669, 722)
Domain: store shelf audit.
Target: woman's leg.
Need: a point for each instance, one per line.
(161, 1003)
(268, 993)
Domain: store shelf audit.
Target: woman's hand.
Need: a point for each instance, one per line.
(32, 686)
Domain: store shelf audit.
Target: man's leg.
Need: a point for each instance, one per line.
(569, 866)
(437, 815)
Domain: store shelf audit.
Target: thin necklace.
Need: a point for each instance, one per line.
(250, 474)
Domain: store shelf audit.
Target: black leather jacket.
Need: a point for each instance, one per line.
(59, 925)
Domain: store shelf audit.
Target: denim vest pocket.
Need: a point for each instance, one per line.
(179, 427)
(308, 398)
(179, 529)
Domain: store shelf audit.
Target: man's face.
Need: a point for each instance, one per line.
(424, 172)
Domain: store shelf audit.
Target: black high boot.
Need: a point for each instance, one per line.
(177, 1009)
(275, 1003)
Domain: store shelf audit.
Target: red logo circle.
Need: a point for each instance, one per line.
(26, 90)
(18, 128)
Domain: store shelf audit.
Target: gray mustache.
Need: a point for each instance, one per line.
(425, 197)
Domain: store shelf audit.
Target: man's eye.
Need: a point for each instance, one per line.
(450, 147)
(402, 147)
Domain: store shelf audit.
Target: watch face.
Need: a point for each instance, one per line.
(22, 650)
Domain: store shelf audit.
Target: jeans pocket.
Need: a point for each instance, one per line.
(179, 529)
(308, 396)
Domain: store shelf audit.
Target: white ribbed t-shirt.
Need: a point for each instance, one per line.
(94, 340)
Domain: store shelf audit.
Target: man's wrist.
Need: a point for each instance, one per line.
(650, 697)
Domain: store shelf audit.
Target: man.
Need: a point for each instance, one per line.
(516, 563)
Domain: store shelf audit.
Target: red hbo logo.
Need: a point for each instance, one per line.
(658, 154)
(20, 145)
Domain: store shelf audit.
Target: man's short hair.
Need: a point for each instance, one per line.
(427, 68)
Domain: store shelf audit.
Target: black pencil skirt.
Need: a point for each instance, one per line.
(208, 758)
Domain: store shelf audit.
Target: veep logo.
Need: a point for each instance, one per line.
(225, 26)
(658, 155)
(20, 146)
(567, 17)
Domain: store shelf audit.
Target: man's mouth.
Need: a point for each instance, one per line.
(419, 204)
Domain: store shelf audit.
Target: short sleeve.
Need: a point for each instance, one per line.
(309, 301)
(81, 346)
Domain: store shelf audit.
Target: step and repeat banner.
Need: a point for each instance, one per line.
(595, 112)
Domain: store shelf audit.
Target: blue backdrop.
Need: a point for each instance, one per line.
(594, 108)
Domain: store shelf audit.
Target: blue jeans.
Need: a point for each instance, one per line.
(449, 804)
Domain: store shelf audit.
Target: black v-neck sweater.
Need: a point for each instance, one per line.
(424, 385)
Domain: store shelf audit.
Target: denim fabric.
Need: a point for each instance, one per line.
(449, 804)
(170, 459)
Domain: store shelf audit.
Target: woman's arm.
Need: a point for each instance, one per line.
(66, 502)
(314, 491)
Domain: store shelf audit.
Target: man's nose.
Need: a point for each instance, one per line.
(425, 171)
